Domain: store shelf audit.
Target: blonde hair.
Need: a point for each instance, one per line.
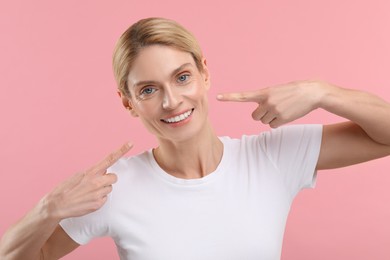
(146, 32)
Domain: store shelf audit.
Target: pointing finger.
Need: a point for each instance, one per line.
(246, 96)
(110, 159)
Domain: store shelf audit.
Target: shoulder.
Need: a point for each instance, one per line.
(286, 130)
(291, 134)
(131, 167)
(125, 162)
(288, 135)
(297, 129)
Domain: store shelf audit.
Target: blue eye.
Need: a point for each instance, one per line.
(183, 78)
(147, 91)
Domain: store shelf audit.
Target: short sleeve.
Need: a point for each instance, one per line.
(96, 224)
(294, 151)
(83, 229)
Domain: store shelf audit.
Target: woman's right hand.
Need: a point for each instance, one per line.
(84, 192)
(38, 234)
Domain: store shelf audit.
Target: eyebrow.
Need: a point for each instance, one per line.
(152, 82)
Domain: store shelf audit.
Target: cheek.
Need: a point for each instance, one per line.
(199, 97)
(197, 90)
(145, 109)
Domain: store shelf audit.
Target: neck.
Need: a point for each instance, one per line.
(192, 158)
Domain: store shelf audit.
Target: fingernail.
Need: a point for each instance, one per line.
(219, 96)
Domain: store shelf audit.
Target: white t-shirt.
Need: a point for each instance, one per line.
(238, 212)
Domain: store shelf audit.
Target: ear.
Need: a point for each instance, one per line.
(126, 102)
(206, 74)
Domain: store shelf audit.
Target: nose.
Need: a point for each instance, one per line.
(171, 99)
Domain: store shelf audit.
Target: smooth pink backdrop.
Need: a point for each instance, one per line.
(60, 112)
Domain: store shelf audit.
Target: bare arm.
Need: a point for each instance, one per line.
(29, 238)
(346, 144)
(38, 235)
(365, 137)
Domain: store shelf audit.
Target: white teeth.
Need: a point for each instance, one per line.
(178, 118)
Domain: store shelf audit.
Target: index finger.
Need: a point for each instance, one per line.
(111, 159)
(245, 96)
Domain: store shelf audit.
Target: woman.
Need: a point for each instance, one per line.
(199, 196)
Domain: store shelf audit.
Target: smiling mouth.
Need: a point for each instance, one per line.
(178, 118)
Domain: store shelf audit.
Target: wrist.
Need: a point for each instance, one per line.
(47, 210)
(326, 95)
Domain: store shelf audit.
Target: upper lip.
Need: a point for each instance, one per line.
(177, 114)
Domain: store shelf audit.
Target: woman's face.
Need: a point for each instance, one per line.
(168, 92)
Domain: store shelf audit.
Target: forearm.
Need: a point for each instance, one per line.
(79, 195)
(25, 239)
(370, 112)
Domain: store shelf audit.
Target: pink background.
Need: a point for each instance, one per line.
(60, 112)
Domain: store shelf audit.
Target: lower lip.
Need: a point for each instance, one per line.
(180, 123)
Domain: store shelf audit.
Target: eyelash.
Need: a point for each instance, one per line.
(143, 91)
(147, 88)
(183, 75)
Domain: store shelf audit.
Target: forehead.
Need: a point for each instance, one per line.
(157, 62)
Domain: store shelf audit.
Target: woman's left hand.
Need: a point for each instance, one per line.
(281, 104)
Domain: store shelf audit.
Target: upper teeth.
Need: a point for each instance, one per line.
(178, 118)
